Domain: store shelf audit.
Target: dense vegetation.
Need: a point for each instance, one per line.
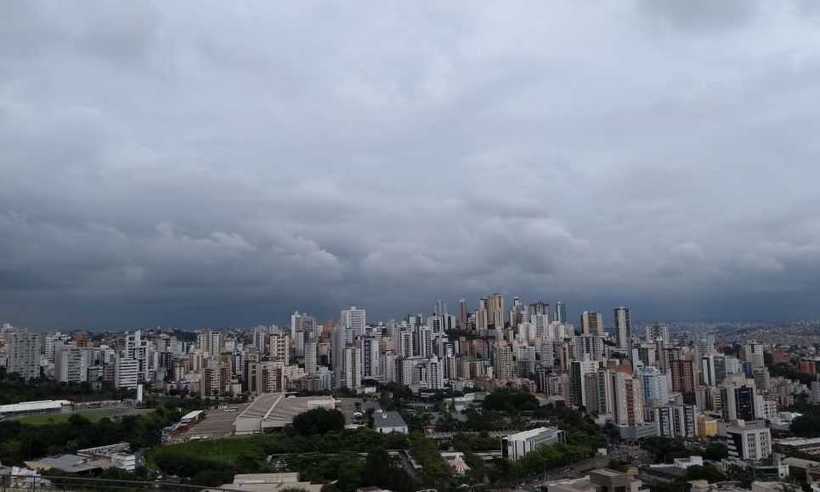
(808, 424)
(549, 457)
(510, 401)
(317, 457)
(665, 450)
(319, 421)
(14, 389)
(788, 371)
(427, 454)
(516, 410)
(20, 442)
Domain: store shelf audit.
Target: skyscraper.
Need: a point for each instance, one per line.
(482, 317)
(655, 388)
(577, 375)
(683, 378)
(503, 366)
(71, 364)
(628, 398)
(24, 353)
(753, 353)
(462, 314)
(657, 332)
(495, 311)
(592, 323)
(311, 358)
(560, 312)
(354, 321)
(623, 327)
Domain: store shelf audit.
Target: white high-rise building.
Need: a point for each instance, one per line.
(71, 364)
(655, 385)
(750, 441)
(370, 358)
(279, 347)
(24, 353)
(352, 370)
(753, 353)
(657, 332)
(627, 395)
(126, 372)
(577, 375)
(354, 320)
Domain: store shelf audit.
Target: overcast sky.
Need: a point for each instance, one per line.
(217, 164)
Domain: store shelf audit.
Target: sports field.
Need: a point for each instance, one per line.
(92, 414)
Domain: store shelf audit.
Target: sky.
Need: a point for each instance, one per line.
(215, 164)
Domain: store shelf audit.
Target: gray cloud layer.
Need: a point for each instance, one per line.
(193, 163)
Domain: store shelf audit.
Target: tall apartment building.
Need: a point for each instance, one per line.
(676, 421)
(279, 347)
(592, 323)
(577, 376)
(463, 314)
(623, 327)
(655, 387)
(753, 353)
(71, 364)
(657, 332)
(354, 320)
(495, 311)
(371, 368)
(683, 378)
(352, 368)
(481, 316)
(24, 350)
(126, 372)
(560, 312)
(627, 394)
(589, 345)
(741, 403)
(503, 367)
(311, 358)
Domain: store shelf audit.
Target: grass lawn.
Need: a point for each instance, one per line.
(219, 450)
(92, 414)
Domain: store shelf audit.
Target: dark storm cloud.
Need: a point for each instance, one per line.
(217, 164)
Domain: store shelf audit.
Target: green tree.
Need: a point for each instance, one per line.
(716, 451)
(318, 421)
(707, 472)
(806, 426)
(510, 401)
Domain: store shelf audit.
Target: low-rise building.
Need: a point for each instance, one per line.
(515, 446)
(270, 482)
(803, 445)
(750, 441)
(601, 480)
(387, 422)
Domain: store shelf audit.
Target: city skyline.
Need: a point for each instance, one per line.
(229, 167)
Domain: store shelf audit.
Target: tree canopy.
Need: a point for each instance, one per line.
(510, 401)
(318, 421)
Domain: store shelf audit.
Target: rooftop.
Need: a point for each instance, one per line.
(388, 419)
(68, 463)
(527, 434)
(34, 406)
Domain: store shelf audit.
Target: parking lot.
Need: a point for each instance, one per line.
(349, 406)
